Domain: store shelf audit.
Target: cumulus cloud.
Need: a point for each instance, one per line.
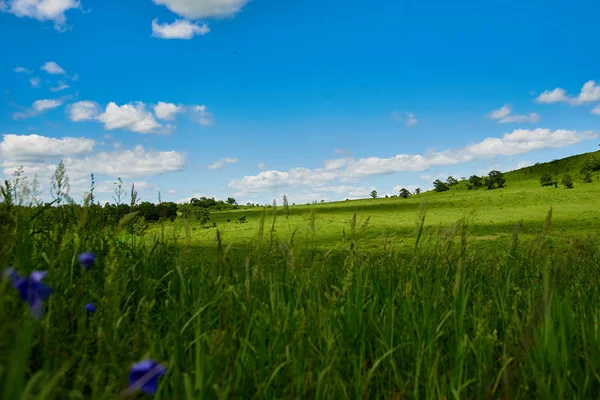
(167, 111)
(41, 10)
(222, 162)
(201, 116)
(596, 110)
(82, 111)
(194, 9)
(411, 119)
(35, 82)
(38, 107)
(590, 92)
(180, 29)
(519, 141)
(502, 115)
(19, 70)
(261, 166)
(132, 117)
(35, 147)
(555, 96)
(53, 68)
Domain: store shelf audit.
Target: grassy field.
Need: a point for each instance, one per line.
(482, 294)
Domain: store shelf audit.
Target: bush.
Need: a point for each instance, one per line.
(440, 186)
(546, 180)
(592, 164)
(587, 177)
(475, 181)
(567, 181)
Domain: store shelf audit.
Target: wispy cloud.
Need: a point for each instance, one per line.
(222, 162)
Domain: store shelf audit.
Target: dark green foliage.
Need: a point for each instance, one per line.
(440, 186)
(567, 181)
(404, 193)
(494, 180)
(148, 211)
(591, 164)
(475, 181)
(167, 210)
(418, 191)
(451, 181)
(374, 194)
(587, 177)
(546, 179)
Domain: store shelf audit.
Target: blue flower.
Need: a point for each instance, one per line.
(31, 289)
(144, 376)
(86, 260)
(90, 307)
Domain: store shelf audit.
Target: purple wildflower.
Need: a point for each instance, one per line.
(90, 307)
(144, 376)
(31, 289)
(86, 260)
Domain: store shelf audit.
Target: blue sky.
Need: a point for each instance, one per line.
(313, 99)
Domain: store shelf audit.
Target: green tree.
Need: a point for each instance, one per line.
(567, 181)
(546, 179)
(451, 181)
(374, 194)
(440, 186)
(475, 181)
(418, 191)
(498, 178)
(587, 177)
(404, 193)
(231, 200)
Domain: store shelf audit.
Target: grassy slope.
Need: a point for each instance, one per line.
(492, 214)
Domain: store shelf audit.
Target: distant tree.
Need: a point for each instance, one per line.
(374, 194)
(587, 177)
(495, 179)
(592, 164)
(567, 181)
(231, 200)
(387, 197)
(404, 193)
(418, 191)
(249, 204)
(322, 201)
(148, 211)
(546, 179)
(451, 181)
(475, 181)
(167, 210)
(440, 186)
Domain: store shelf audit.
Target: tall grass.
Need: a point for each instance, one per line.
(451, 318)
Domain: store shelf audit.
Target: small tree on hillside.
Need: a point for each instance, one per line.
(475, 181)
(404, 193)
(495, 179)
(374, 194)
(418, 191)
(231, 201)
(440, 186)
(587, 177)
(567, 181)
(451, 181)
(546, 179)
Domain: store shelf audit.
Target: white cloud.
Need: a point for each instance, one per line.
(198, 9)
(524, 164)
(180, 29)
(33, 147)
(38, 107)
(167, 111)
(590, 92)
(61, 86)
(336, 163)
(555, 96)
(42, 10)
(411, 119)
(171, 191)
(83, 111)
(35, 82)
(519, 141)
(43, 105)
(110, 186)
(502, 115)
(21, 70)
(53, 68)
(201, 116)
(132, 117)
(261, 166)
(596, 110)
(222, 162)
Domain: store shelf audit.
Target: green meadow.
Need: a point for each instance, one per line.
(461, 294)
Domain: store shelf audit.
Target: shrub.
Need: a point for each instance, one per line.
(587, 177)
(404, 193)
(546, 179)
(475, 181)
(440, 186)
(567, 181)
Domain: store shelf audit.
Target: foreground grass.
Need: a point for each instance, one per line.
(449, 317)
